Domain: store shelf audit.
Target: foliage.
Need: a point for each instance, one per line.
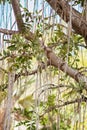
(23, 55)
(27, 102)
(29, 123)
(31, 117)
(20, 53)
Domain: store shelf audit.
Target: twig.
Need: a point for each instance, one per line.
(83, 99)
(42, 66)
(8, 32)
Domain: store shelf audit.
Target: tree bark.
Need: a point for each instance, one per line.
(63, 66)
(18, 16)
(62, 8)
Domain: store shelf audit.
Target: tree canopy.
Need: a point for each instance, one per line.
(43, 73)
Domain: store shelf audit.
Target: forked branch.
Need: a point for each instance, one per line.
(54, 60)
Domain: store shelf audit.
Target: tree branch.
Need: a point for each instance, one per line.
(63, 66)
(8, 32)
(18, 16)
(78, 100)
(41, 66)
(54, 60)
(62, 8)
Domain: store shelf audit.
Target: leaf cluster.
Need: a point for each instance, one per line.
(20, 53)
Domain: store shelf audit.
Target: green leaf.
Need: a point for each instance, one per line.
(4, 53)
(12, 48)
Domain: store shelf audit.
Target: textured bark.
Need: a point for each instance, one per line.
(18, 16)
(63, 66)
(62, 8)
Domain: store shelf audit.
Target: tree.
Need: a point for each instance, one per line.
(30, 42)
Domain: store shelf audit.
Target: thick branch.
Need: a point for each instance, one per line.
(54, 60)
(18, 16)
(62, 8)
(63, 66)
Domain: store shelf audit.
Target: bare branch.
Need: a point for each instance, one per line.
(8, 32)
(78, 100)
(18, 16)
